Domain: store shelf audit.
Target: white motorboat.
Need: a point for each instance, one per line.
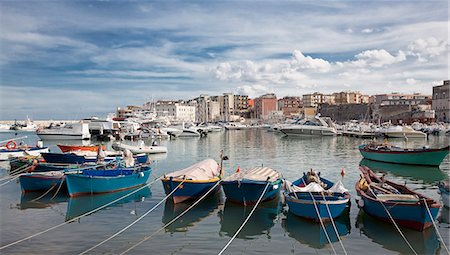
(175, 132)
(5, 128)
(401, 132)
(321, 126)
(189, 132)
(235, 126)
(75, 131)
(140, 148)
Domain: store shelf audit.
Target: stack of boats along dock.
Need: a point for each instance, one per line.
(90, 170)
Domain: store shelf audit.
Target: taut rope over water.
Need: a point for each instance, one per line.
(334, 225)
(79, 217)
(246, 220)
(134, 222)
(435, 226)
(174, 219)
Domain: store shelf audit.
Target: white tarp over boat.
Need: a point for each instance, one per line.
(204, 170)
(338, 187)
(255, 174)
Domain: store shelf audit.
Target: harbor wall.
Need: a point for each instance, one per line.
(345, 112)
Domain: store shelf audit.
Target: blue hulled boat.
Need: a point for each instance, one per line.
(316, 198)
(31, 182)
(245, 187)
(105, 181)
(407, 208)
(197, 180)
(72, 158)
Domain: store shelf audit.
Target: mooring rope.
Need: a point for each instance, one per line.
(10, 180)
(321, 222)
(60, 185)
(393, 221)
(173, 220)
(435, 226)
(79, 217)
(45, 193)
(334, 225)
(134, 222)
(246, 220)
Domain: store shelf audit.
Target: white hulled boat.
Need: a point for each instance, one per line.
(316, 126)
(401, 132)
(74, 131)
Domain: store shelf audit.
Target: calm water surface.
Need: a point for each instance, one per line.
(207, 227)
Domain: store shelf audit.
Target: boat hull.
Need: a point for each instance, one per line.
(303, 206)
(425, 157)
(39, 182)
(306, 131)
(105, 181)
(69, 148)
(247, 192)
(70, 158)
(50, 136)
(6, 154)
(412, 216)
(189, 189)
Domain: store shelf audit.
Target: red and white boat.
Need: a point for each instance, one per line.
(71, 148)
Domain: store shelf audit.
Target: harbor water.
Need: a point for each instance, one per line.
(207, 227)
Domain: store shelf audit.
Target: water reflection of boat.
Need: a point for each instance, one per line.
(27, 200)
(312, 234)
(383, 233)
(202, 210)
(262, 220)
(81, 205)
(429, 174)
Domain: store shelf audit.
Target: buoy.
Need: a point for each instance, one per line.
(342, 172)
(238, 170)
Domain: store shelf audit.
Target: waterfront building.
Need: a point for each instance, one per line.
(290, 105)
(127, 112)
(264, 105)
(179, 111)
(441, 101)
(226, 102)
(350, 97)
(207, 109)
(401, 99)
(316, 98)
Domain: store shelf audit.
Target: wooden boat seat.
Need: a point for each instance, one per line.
(398, 198)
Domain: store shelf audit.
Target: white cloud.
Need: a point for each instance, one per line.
(367, 30)
(411, 81)
(253, 90)
(428, 48)
(301, 61)
(378, 58)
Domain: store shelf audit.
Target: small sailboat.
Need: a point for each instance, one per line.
(316, 198)
(245, 187)
(384, 200)
(192, 182)
(393, 154)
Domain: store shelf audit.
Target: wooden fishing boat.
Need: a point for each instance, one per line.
(392, 154)
(70, 148)
(245, 187)
(197, 180)
(316, 198)
(407, 208)
(32, 182)
(444, 191)
(140, 148)
(89, 182)
(6, 153)
(72, 158)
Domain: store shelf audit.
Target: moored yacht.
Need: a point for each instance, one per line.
(73, 131)
(401, 132)
(316, 126)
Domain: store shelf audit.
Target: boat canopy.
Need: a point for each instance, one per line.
(204, 170)
(338, 187)
(255, 174)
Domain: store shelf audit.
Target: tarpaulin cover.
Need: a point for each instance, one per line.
(204, 170)
(255, 174)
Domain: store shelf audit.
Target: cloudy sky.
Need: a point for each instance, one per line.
(74, 59)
